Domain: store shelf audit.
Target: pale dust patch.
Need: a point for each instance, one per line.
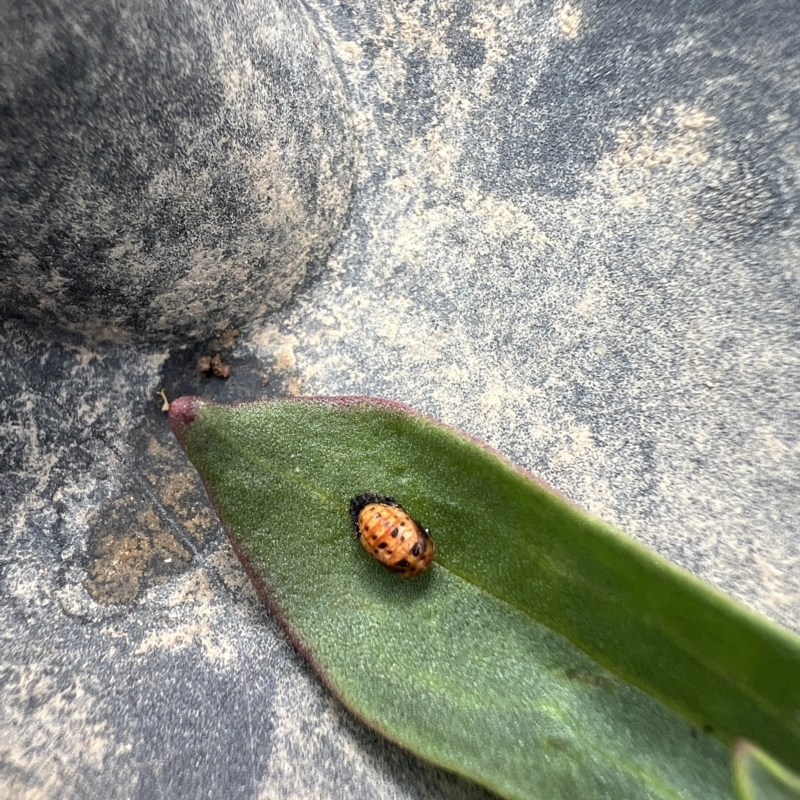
(414, 31)
(98, 331)
(75, 601)
(485, 218)
(773, 576)
(51, 733)
(284, 358)
(12, 785)
(569, 21)
(580, 449)
(27, 259)
(490, 222)
(308, 728)
(488, 26)
(192, 588)
(648, 151)
(126, 249)
(192, 617)
(201, 524)
(594, 301)
(390, 74)
(434, 154)
(276, 182)
(280, 346)
(501, 219)
(157, 450)
(294, 386)
(693, 119)
(351, 51)
(635, 199)
(25, 582)
(664, 141)
(412, 239)
(84, 355)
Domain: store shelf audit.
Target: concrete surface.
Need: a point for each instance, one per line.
(168, 170)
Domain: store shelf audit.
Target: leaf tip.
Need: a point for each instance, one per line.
(182, 412)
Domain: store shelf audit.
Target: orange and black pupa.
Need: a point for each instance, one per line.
(389, 534)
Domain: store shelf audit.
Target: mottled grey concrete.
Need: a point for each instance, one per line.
(575, 233)
(168, 168)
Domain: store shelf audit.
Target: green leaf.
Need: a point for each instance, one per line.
(482, 664)
(759, 777)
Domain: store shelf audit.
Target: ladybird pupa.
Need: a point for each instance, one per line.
(389, 534)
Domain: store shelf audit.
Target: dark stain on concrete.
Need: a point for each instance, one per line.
(152, 528)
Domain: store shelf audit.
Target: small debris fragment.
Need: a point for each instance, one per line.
(224, 340)
(219, 367)
(163, 395)
(203, 366)
(213, 365)
(228, 338)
